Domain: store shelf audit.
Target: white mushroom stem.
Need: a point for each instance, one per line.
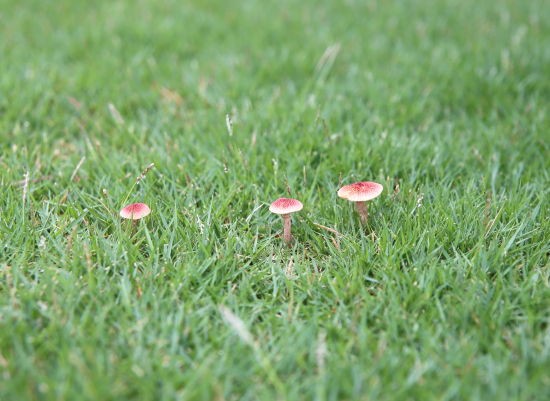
(287, 223)
(362, 210)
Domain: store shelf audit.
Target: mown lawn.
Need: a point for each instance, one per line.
(443, 295)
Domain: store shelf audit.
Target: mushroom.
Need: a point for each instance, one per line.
(135, 211)
(284, 207)
(360, 192)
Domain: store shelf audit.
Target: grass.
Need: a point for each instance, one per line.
(445, 295)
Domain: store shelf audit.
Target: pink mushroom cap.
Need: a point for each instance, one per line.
(285, 206)
(360, 191)
(135, 211)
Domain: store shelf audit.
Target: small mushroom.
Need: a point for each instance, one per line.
(360, 192)
(284, 207)
(135, 211)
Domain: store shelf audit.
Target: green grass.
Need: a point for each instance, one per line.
(445, 295)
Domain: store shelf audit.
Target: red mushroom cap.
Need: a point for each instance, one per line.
(360, 191)
(285, 206)
(135, 211)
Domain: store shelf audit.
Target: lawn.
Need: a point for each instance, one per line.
(443, 295)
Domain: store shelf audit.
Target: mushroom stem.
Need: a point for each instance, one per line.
(362, 210)
(287, 223)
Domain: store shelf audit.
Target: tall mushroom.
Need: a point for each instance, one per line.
(360, 192)
(135, 211)
(284, 207)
